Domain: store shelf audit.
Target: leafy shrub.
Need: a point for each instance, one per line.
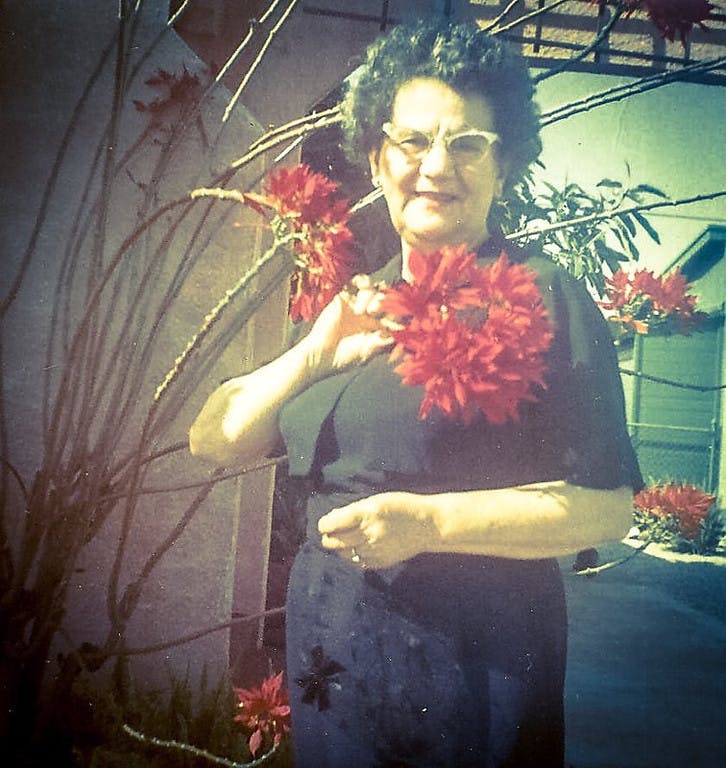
(680, 516)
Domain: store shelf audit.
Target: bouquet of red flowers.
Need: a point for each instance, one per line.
(473, 336)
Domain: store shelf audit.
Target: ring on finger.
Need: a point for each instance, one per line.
(354, 556)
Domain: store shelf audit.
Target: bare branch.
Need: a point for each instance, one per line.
(256, 62)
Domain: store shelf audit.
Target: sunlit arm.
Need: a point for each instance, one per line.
(239, 422)
(532, 521)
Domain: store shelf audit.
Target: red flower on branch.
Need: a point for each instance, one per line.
(264, 710)
(179, 93)
(306, 203)
(685, 503)
(642, 301)
(474, 337)
(673, 17)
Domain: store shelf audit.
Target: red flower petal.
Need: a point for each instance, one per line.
(474, 337)
(643, 301)
(306, 203)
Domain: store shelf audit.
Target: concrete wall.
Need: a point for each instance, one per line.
(52, 49)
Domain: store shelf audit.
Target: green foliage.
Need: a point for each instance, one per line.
(601, 236)
(666, 531)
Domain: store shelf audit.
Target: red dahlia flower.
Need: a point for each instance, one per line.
(673, 17)
(474, 337)
(643, 301)
(305, 203)
(265, 710)
(685, 503)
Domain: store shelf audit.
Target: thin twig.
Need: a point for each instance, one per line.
(217, 478)
(612, 563)
(196, 751)
(528, 16)
(177, 14)
(315, 123)
(544, 228)
(217, 310)
(620, 92)
(254, 25)
(671, 383)
(580, 55)
(497, 19)
(132, 591)
(268, 41)
(283, 129)
(50, 186)
(184, 639)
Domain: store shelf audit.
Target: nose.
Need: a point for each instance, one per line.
(437, 161)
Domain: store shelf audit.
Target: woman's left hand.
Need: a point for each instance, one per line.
(380, 530)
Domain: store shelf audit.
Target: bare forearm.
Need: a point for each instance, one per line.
(239, 421)
(525, 522)
(540, 520)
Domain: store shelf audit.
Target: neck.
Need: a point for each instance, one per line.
(407, 247)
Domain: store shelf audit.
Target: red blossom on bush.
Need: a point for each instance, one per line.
(642, 301)
(673, 17)
(264, 710)
(474, 337)
(686, 504)
(306, 203)
(178, 93)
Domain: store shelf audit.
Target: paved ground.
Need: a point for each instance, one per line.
(646, 685)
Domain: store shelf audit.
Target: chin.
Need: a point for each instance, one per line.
(429, 241)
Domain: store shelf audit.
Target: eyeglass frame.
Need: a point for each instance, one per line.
(418, 155)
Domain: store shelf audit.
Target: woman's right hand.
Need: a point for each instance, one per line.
(239, 421)
(349, 331)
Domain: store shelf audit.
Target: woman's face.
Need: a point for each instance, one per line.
(437, 198)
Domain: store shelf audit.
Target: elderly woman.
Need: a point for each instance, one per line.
(425, 615)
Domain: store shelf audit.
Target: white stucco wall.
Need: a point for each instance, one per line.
(51, 50)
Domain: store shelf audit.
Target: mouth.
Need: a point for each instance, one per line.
(439, 198)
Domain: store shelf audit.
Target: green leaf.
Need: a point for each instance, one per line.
(647, 226)
(627, 221)
(648, 189)
(609, 184)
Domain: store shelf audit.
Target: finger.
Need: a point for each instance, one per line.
(389, 324)
(361, 281)
(338, 543)
(340, 520)
(377, 341)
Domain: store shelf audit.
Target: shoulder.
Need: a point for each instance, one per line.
(551, 277)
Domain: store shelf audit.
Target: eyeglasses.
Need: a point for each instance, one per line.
(465, 148)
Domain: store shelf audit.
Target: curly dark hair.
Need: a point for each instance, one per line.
(464, 57)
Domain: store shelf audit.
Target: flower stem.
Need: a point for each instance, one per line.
(196, 751)
(612, 563)
(220, 306)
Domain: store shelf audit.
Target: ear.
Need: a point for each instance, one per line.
(374, 156)
(502, 171)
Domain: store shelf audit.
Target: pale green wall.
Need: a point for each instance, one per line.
(673, 137)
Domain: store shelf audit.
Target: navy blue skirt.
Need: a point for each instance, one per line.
(446, 660)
